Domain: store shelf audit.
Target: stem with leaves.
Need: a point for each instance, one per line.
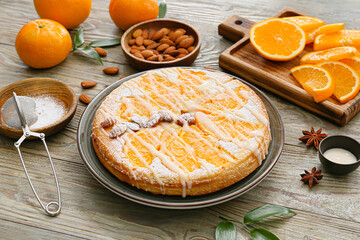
(226, 230)
(162, 9)
(88, 49)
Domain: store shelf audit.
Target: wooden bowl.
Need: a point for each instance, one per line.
(157, 24)
(36, 87)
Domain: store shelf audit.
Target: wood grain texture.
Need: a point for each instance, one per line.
(243, 60)
(328, 211)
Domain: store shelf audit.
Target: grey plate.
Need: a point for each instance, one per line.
(175, 202)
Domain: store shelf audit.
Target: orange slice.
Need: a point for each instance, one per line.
(347, 83)
(353, 62)
(337, 39)
(332, 54)
(328, 28)
(305, 22)
(316, 80)
(277, 39)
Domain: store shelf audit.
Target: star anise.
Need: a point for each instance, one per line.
(312, 177)
(313, 138)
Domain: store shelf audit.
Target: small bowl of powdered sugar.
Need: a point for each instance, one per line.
(55, 105)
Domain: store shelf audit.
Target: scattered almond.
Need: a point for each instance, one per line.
(161, 45)
(211, 68)
(85, 98)
(88, 84)
(102, 52)
(111, 70)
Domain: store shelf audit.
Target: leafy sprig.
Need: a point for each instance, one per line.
(162, 9)
(226, 230)
(88, 49)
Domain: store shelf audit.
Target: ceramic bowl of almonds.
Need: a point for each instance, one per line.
(160, 43)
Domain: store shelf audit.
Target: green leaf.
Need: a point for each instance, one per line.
(105, 42)
(79, 38)
(162, 9)
(91, 52)
(265, 211)
(262, 234)
(225, 230)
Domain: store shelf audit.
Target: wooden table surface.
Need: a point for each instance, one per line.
(330, 210)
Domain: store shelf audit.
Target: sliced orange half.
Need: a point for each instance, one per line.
(337, 39)
(347, 83)
(328, 28)
(277, 39)
(305, 22)
(316, 80)
(332, 54)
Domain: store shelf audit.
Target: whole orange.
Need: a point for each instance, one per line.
(69, 13)
(43, 43)
(126, 13)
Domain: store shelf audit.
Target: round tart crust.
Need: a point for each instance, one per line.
(227, 140)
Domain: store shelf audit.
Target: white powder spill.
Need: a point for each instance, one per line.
(49, 110)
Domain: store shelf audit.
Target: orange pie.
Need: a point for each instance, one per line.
(182, 132)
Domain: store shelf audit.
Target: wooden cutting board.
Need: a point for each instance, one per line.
(242, 60)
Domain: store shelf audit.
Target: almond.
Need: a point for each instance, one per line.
(147, 42)
(187, 42)
(102, 52)
(181, 30)
(111, 70)
(138, 54)
(158, 35)
(171, 34)
(138, 47)
(190, 49)
(154, 45)
(137, 33)
(179, 39)
(162, 47)
(168, 58)
(153, 58)
(181, 55)
(183, 51)
(166, 31)
(88, 84)
(85, 98)
(151, 34)
(145, 34)
(160, 58)
(176, 35)
(167, 41)
(139, 41)
(147, 53)
(174, 53)
(155, 52)
(131, 41)
(169, 49)
(133, 51)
